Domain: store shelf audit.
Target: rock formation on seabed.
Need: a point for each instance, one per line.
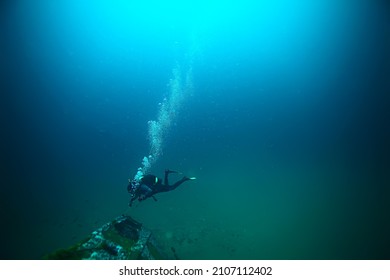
(121, 239)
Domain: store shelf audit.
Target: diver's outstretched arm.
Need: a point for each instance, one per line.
(131, 200)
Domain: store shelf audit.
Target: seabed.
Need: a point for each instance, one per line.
(121, 239)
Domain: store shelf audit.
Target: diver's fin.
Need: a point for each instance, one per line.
(172, 171)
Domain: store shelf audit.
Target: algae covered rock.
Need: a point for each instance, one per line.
(122, 239)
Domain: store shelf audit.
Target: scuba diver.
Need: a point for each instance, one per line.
(149, 185)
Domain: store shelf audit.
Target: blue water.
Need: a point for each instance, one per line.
(286, 125)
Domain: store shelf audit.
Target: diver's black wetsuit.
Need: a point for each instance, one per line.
(151, 185)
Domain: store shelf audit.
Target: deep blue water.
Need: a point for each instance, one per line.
(286, 127)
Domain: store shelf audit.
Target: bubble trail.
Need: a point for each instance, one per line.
(168, 111)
